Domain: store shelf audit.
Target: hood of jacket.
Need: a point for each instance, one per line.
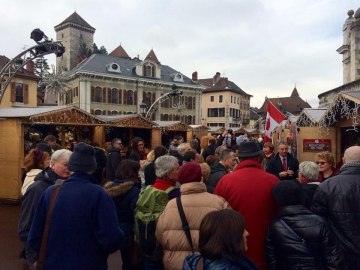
(33, 172)
(112, 149)
(119, 187)
(47, 175)
(217, 167)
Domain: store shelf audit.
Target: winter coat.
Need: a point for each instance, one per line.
(210, 150)
(249, 191)
(100, 163)
(42, 181)
(243, 263)
(283, 251)
(196, 203)
(150, 175)
(112, 161)
(216, 173)
(84, 228)
(337, 199)
(274, 166)
(29, 179)
(124, 193)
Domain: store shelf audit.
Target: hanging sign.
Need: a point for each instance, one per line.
(316, 145)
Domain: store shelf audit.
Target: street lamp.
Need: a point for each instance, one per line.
(143, 108)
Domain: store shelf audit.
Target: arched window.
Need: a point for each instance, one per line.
(148, 71)
(130, 97)
(177, 117)
(148, 99)
(189, 103)
(114, 96)
(166, 117)
(98, 94)
(189, 120)
(114, 112)
(129, 113)
(98, 112)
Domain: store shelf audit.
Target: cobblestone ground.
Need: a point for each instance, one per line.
(10, 245)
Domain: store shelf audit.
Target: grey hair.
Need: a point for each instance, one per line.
(181, 147)
(62, 153)
(282, 143)
(309, 169)
(219, 150)
(164, 164)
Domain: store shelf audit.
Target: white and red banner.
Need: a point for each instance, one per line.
(273, 118)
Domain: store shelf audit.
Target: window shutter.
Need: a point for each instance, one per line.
(125, 97)
(170, 102)
(108, 112)
(186, 102)
(193, 103)
(144, 70)
(104, 112)
(92, 111)
(171, 117)
(153, 98)
(109, 95)
(92, 94)
(152, 71)
(26, 94)
(13, 92)
(193, 120)
(135, 97)
(104, 95)
(161, 117)
(144, 96)
(120, 96)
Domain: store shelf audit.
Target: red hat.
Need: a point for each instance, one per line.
(189, 172)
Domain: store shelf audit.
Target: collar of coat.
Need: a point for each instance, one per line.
(115, 191)
(248, 163)
(193, 187)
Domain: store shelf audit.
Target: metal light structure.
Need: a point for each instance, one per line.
(44, 47)
(143, 107)
(175, 92)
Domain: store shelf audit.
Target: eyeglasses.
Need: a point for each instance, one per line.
(119, 143)
(320, 162)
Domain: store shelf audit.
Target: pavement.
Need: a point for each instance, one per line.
(11, 246)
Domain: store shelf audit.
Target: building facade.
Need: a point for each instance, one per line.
(224, 104)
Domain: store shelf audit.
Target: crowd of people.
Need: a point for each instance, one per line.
(222, 202)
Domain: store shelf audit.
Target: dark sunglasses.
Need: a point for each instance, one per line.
(320, 162)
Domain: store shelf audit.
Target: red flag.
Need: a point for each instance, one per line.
(273, 119)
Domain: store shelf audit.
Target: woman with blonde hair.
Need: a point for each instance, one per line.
(326, 162)
(35, 161)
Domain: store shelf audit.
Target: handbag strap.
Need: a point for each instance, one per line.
(44, 241)
(298, 238)
(184, 222)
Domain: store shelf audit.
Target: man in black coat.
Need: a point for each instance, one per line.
(284, 251)
(283, 165)
(113, 158)
(338, 200)
(46, 178)
(210, 150)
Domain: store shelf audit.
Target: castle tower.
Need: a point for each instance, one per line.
(73, 32)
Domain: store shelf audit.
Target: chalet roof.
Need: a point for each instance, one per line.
(292, 104)
(127, 120)
(216, 129)
(172, 125)
(152, 56)
(96, 65)
(76, 19)
(119, 52)
(22, 72)
(225, 85)
(310, 116)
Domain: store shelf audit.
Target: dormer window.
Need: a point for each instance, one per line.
(149, 70)
(113, 67)
(177, 77)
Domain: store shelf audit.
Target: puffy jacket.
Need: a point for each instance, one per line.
(283, 251)
(112, 161)
(216, 173)
(337, 199)
(125, 193)
(196, 203)
(243, 263)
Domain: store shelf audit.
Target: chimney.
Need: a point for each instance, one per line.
(195, 76)
(30, 66)
(216, 78)
(80, 58)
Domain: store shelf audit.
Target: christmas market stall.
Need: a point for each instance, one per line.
(21, 128)
(167, 130)
(197, 130)
(216, 130)
(342, 121)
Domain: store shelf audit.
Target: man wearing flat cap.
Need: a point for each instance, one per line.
(84, 227)
(248, 191)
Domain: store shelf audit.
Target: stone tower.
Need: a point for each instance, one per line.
(73, 32)
(351, 48)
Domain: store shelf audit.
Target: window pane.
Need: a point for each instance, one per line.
(220, 98)
(130, 97)
(19, 89)
(98, 94)
(114, 96)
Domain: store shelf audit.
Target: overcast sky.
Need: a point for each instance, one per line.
(264, 46)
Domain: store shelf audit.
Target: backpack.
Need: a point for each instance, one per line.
(150, 205)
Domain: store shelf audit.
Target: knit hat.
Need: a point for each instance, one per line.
(286, 193)
(44, 147)
(83, 158)
(189, 172)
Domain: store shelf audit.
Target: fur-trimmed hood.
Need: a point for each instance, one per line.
(115, 191)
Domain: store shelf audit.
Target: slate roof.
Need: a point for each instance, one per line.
(119, 52)
(96, 63)
(225, 85)
(22, 72)
(76, 19)
(253, 114)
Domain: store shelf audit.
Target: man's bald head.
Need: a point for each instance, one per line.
(352, 154)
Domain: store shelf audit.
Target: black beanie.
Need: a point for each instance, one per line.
(286, 193)
(83, 158)
(44, 147)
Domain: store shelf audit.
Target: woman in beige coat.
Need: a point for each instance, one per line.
(196, 202)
